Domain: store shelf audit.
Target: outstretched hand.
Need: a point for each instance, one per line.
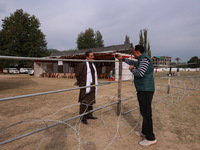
(119, 57)
(131, 67)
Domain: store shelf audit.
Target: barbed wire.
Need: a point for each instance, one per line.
(161, 98)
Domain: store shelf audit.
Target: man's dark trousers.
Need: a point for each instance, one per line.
(145, 100)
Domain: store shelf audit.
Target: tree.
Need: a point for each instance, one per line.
(177, 59)
(89, 39)
(127, 40)
(143, 41)
(149, 50)
(21, 36)
(80, 41)
(194, 62)
(99, 39)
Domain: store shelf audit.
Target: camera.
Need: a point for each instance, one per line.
(116, 56)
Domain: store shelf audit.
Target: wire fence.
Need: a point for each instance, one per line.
(169, 90)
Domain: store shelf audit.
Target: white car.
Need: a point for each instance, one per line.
(13, 70)
(23, 70)
(5, 70)
(30, 71)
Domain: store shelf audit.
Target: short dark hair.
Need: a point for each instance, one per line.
(87, 53)
(139, 48)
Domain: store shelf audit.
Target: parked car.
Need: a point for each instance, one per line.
(23, 70)
(30, 71)
(5, 70)
(13, 70)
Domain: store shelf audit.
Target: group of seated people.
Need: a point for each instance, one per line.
(71, 75)
(59, 75)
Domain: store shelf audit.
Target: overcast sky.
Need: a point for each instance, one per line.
(173, 25)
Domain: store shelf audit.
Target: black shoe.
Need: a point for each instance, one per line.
(92, 117)
(84, 121)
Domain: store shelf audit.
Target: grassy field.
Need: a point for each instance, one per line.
(176, 115)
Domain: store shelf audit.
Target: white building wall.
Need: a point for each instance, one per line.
(126, 74)
(39, 68)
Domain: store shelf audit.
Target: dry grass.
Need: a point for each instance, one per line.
(176, 120)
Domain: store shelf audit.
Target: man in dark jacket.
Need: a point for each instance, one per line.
(86, 75)
(144, 82)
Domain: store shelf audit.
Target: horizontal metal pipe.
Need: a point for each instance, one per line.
(56, 91)
(128, 98)
(52, 59)
(166, 96)
(129, 111)
(49, 92)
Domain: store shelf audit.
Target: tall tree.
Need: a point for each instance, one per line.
(99, 39)
(21, 36)
(89, 39)
(127, 40)
(80, 41)
(143, 41)
(149, 50)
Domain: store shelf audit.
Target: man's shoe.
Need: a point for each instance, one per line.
(84, 121)
(146, 142)
(138, 133)
(92, 117)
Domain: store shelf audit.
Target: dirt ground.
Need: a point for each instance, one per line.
(176, 115)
